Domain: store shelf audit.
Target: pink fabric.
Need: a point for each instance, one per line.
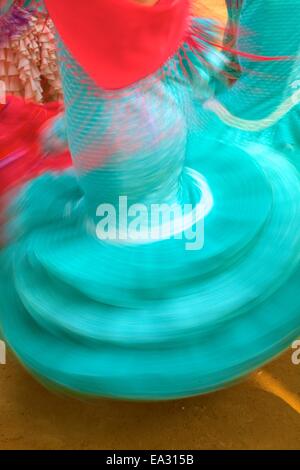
(119, 42)
(21, 157)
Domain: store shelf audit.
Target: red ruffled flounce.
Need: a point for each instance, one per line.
(21, 157)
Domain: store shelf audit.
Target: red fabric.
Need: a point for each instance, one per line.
(119, 42)
(21, 158)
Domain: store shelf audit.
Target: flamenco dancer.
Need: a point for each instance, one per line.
(264, 103)
(142, 307)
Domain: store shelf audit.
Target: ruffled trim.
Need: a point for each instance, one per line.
(28, 63)
(282, 135)
(14, 22)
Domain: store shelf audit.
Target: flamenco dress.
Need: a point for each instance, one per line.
(136, 317)
(28, 61)
(263, 105)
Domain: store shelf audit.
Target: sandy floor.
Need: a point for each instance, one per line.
(242, 417)
(214, 8)
(260, 413)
